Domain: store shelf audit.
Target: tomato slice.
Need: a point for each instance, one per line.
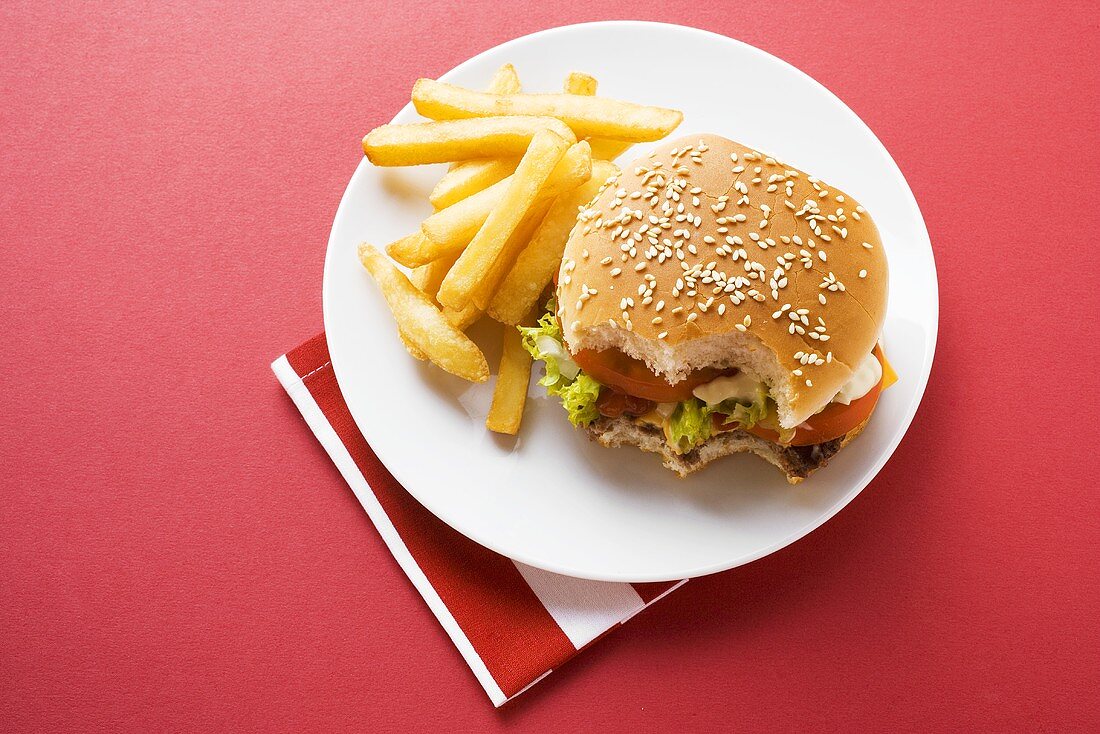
(834, 421)
(613, 368)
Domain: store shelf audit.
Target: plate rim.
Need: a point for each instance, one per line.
(706, 569)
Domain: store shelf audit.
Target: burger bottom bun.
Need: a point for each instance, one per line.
(796, 462)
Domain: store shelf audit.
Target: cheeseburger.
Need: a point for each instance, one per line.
(712, 300)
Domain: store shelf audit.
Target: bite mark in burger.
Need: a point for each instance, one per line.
(713, 300)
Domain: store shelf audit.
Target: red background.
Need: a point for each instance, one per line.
(178, 553)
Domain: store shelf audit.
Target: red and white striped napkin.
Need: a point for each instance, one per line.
(512, 623)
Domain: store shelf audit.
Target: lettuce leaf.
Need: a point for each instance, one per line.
(691, 422)
(579, 400)
(578, 391)
(689, 425)
(746, 415)
(543, 341)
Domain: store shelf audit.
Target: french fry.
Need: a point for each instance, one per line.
(580, 83)
(465, 178)
(530, 180)
(414, 351)
(608, 150)
(457, 140)
(411, 251)
(428, 277)
(513, 378)
(450, 230)
(531, 176)
(524, 232)
(536, 264)
(522, 235)
(505, 81)
(604, 150)
(587, 116)
(463, 318)
(468, 178)
(421, 323)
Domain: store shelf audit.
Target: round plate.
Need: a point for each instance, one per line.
(551, 498)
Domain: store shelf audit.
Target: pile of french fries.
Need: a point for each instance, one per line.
(522, 167)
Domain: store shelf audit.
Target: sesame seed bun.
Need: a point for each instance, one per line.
(675, 263)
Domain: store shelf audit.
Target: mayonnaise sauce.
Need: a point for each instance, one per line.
(738, 387)
(866, 376)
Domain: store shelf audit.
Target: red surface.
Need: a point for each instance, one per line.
(177, 552)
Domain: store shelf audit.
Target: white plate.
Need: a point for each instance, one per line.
(551, 498)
